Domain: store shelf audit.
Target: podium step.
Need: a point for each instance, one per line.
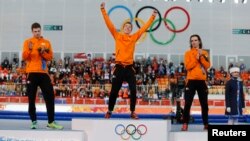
(41, 135)
(123, 129)
(188, 135)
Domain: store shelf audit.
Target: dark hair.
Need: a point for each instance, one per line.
(35, 25)
(128, 23)
(199, 38)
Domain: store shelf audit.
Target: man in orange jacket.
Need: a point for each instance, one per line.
(36, 52)
(124, 59)
(196, 63)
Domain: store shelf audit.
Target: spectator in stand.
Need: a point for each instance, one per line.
(242, 67)
(152, 76)
(148, 62)
(234, 96)
(124, 68)
(162, 69)
(230, 66)
(196, 63)
(211, 72)
(15, 61)
(5, 63)
(66, 61)
(36, 52)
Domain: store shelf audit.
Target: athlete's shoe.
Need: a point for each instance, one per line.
(33, 125)
(184, 127)
(134, 115)
(108, 115)
(54, 125)
(205, 127)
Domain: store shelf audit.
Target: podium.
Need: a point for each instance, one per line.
(123, 129)
(41, 135)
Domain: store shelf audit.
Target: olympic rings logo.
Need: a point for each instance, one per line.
(135, 132)
(156, 24)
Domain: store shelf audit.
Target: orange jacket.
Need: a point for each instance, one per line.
(35, 61)
(125, 44)
(193, 66)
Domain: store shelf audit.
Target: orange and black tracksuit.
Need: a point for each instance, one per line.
(37, 74)
(124, 58)
(196, 81)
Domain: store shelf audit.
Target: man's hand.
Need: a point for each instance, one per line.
(40, 50)
(155, 12)
(200, 51)
(43, 49)
(30, 45)
(199, 54)
(103, 5)
(228, 109)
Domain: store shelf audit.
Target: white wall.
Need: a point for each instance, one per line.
(84, 29)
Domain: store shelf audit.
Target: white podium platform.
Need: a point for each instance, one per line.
(195, 133)
(160, 130)
(41, 135)
(188, 136)
(19, 130)
(123, 129)
(96, 129)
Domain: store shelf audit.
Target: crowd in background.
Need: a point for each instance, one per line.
(91, 78)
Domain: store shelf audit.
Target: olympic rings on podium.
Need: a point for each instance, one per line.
(130, 131)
